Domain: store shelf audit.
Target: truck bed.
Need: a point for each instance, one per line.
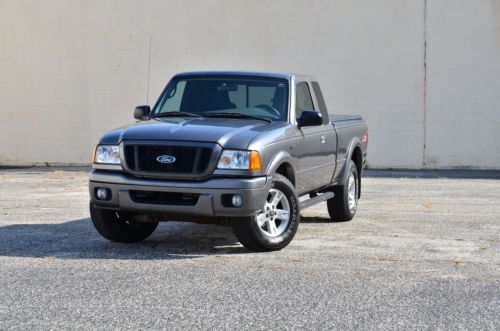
(344, 118)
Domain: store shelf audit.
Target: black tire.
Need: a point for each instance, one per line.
(252, 236)
(118, 227)
(338, 206)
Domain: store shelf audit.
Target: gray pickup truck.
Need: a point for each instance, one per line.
(245, 149)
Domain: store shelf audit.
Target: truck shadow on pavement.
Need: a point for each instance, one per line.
(315, 219)
(78, 240)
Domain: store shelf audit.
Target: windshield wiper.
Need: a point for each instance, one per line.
(177, 114)
(236, 115)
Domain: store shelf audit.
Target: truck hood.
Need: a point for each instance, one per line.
(228, 133)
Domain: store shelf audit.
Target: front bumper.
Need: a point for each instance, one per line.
(209, 194)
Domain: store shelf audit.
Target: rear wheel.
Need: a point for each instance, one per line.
(119, 227)
(276, 224)
(342, 207)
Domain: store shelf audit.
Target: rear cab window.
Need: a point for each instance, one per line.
(321, 101)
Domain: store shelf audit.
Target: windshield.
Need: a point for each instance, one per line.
(257, 97)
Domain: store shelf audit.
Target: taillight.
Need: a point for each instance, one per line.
(365, 139)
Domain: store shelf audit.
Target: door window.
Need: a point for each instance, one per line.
(303, 100)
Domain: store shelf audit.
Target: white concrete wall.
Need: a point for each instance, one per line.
(70, 70)
(463, 84)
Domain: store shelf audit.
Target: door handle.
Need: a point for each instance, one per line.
(323, 139)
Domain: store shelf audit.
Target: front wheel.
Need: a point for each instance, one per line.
(118, 227)
(276, 224)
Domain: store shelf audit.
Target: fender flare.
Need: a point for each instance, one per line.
(356, 142)
(280, 158)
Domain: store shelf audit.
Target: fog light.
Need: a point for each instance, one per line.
(237, 200)
(101, 193)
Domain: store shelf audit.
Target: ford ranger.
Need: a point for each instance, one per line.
(245, 149)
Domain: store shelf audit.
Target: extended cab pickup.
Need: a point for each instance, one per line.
(238, 148)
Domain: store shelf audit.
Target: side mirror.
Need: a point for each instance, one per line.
(310, 118)
(141, 112)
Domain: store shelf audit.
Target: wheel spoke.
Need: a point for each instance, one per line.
(271, 225)
(277, 197)
(261, 219)
(282, 214)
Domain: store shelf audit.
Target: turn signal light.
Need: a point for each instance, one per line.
(255, 162)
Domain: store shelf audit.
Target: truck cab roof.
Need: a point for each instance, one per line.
(288, 76)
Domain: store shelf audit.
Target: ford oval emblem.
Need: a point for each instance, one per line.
(165, 159)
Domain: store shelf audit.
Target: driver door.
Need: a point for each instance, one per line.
(313, 169)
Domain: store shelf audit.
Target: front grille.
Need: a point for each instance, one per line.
(188, 160)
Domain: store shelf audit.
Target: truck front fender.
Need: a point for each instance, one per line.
(280, 159)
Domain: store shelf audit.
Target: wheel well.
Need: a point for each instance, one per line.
(357, 158)
(286, 170)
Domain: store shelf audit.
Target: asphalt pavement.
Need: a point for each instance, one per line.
(423, 252)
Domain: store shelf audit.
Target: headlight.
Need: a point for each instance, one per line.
(231, 159)
(108, 154)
